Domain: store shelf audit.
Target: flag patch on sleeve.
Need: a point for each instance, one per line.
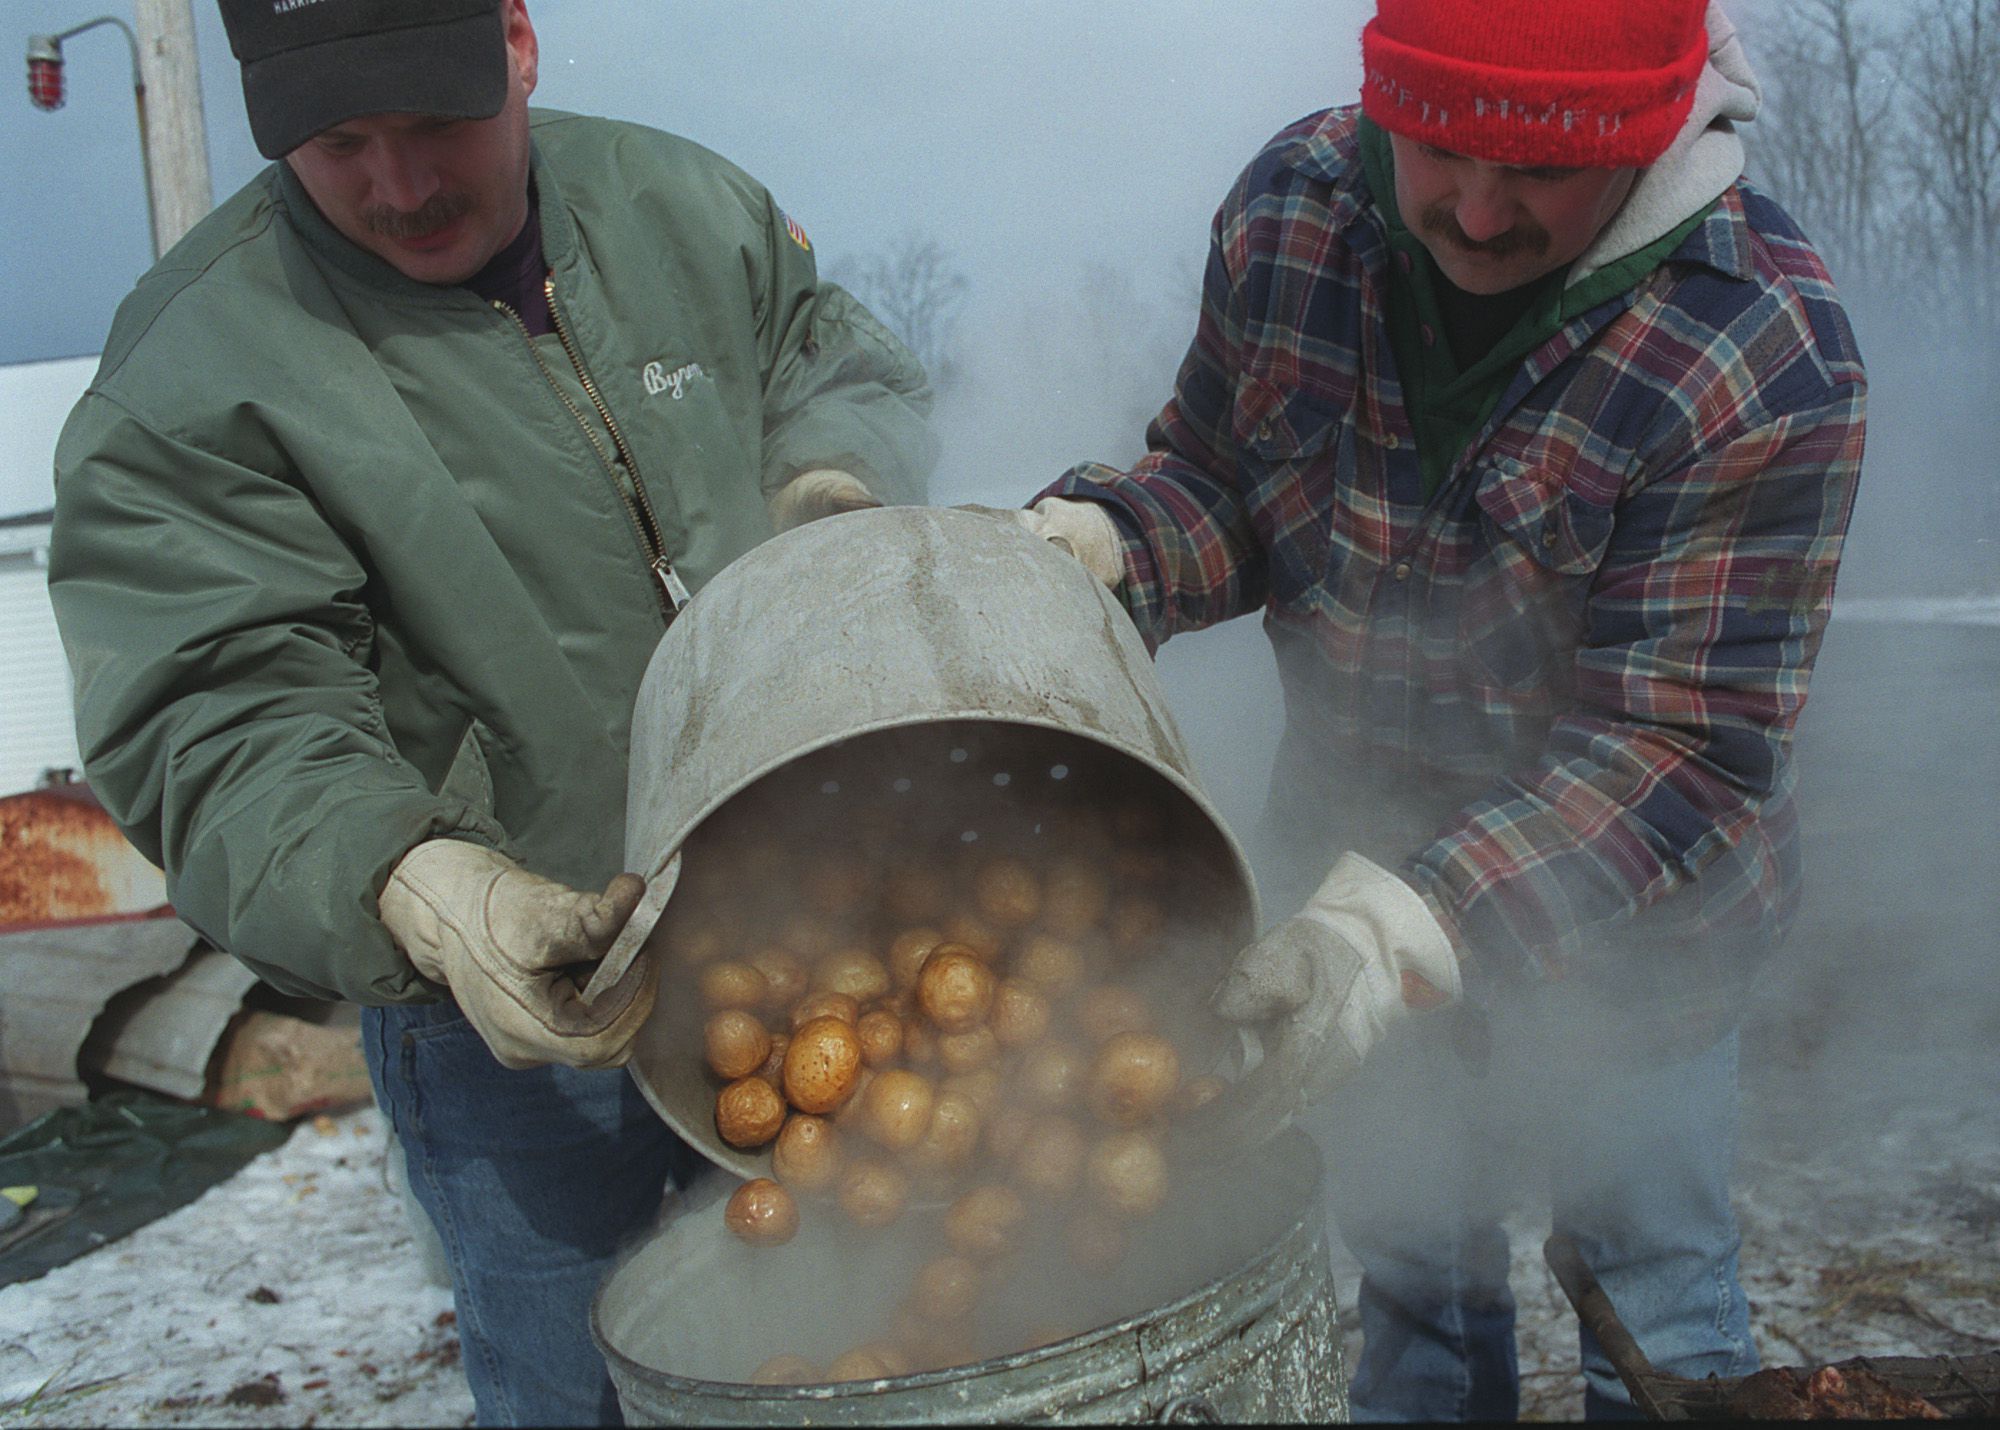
(798, 234)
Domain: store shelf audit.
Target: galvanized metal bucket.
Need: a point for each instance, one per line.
(1240, 1326)
(891, 625)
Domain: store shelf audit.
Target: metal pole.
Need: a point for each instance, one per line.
(139, 98)
(173, 134)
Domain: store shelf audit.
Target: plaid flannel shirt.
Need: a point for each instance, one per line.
(1597, 634)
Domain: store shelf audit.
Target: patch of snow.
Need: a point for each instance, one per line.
(290, 1294)
(1951, 610)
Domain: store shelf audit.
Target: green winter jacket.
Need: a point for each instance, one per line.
(343, 561)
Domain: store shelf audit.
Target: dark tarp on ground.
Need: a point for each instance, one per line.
(108, 1167)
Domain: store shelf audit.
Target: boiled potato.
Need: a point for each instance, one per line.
(1005, 1131)
(983, 1087)
(1050, 1160)
(730, 984)
(1020, 1013)
(1127, 1173)
(735, 1044)
(907, 952)
(1007, 892)
(786, 976)
(826, 1005)
(749, 1112)
(881, 1034)
(946, 1288)
(1054, 965)
(822, 1065)
(1110, 1009)
(786, 1370)
(1052, 1074)
(896, 1108)
(762, 1213)
(985, 1222)
(1074, 899)
(807, 935)
(807, 1157)
(772, 1070)
(951, 1139)
(968, 1051)
(1133, 1078)
(955, 988)
(874, 1193)
(974, 933)
(920, 1043)
(853, 971)
(864, 1363)
(849, 1113)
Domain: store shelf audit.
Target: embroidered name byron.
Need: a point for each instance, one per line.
(659, 380)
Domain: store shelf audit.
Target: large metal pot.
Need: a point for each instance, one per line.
(914, 633)
(1239, 1325)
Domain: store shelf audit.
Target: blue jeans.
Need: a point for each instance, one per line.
(533, 1180)
(1431, 1147)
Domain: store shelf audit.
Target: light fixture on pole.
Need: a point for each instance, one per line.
(45, 89)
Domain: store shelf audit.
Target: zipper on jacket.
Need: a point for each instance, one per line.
(673, 592)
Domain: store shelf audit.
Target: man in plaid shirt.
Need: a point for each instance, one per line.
(1533, 431)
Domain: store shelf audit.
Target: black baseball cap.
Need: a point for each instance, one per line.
(311, 64)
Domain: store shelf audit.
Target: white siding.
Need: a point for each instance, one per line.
(36, 732)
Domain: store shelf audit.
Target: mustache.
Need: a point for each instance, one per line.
(1530, 238)
(437, 211)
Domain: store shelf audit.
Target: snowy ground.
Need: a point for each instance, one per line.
(1870, 1219)
(293, 1295)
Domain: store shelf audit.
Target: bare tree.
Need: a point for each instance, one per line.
(918, 292)
(1829, 73)
(1952, 153)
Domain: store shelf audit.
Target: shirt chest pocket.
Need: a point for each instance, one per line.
(1294, 450)
(1536, 547)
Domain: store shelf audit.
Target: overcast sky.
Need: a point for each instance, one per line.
(1024, 134)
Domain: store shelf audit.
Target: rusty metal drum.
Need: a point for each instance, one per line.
(1235, 1322)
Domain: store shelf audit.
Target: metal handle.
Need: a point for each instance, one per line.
(625, 948)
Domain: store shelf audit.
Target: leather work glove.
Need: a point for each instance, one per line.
(1363, 954)
(1082, 528)
(820, 492)
(507, 943)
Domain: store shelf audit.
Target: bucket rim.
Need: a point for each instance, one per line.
(840, 1390)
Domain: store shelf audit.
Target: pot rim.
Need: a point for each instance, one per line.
(972, 1370)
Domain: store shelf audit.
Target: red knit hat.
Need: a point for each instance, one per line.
(1579, 83)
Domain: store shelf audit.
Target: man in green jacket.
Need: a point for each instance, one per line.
(394, 472)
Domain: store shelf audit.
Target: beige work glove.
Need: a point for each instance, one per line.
(515, 949)
(1082, 528)
(1363, 954)
(820, 492)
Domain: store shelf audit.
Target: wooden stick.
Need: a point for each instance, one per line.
(1600, 1317)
